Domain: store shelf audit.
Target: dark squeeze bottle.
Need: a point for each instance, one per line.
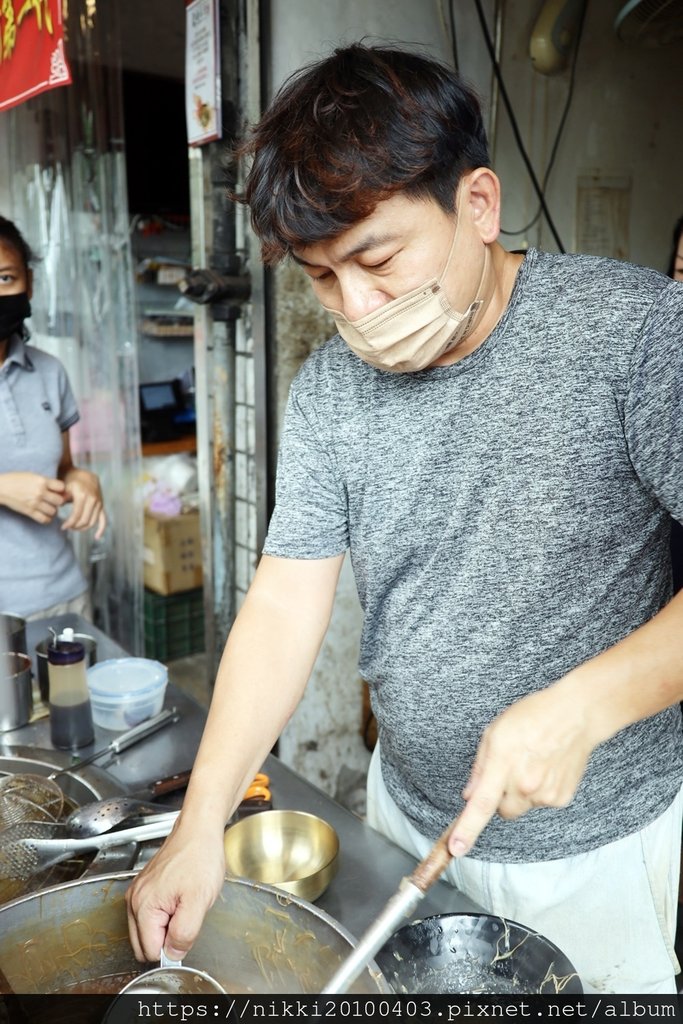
(71, 724)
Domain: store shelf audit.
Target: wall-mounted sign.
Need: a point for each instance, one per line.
(202, 72)
(32, 57)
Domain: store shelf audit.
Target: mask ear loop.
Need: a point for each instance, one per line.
(456, 235)
(477, 305)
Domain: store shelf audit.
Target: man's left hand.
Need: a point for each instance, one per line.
(533, 754)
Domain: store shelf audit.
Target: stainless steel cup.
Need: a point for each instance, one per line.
(90, 645)
(16, 696)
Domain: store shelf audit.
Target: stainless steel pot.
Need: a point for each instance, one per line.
(12, 634)
(254, 939)
(16, 693)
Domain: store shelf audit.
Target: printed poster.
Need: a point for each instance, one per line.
(32, 57)
(202, 72)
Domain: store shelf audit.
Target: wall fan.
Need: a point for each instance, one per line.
(650, 22)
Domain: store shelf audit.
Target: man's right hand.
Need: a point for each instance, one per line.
(168, 900)
(33, 495)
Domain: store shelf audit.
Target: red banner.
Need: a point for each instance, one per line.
(32, 57)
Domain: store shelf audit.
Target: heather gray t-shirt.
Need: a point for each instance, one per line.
(38, 567)
(508, 518)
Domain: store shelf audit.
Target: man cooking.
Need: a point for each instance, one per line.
(496, 440)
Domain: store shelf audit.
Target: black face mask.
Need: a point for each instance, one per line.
(14, 309)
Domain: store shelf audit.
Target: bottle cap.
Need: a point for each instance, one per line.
(65, 652)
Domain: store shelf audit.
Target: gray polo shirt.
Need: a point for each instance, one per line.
(38, 567)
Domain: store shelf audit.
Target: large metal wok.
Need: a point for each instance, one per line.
(255, 939)
(475, 953)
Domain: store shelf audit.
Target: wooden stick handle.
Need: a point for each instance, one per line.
(431, 867)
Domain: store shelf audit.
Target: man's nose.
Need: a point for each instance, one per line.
(359, 301)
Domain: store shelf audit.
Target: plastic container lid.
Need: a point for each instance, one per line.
(120, 679)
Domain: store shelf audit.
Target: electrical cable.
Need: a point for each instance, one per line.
(447, 20)
(515, 126)
(560, 129)
(454, 38)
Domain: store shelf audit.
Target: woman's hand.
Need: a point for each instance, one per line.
(168, 900)
(83, 491)
(32, 494)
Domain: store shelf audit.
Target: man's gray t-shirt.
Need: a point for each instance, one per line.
(508, 519)
(38, 567)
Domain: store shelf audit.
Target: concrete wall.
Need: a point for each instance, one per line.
(622, 133)
(621, 138)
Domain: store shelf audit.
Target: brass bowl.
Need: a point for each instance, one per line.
(292, 850)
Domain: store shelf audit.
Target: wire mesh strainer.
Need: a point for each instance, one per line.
(26, 797)
(12, 885)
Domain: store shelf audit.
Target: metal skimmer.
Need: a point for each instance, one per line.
(22, 858)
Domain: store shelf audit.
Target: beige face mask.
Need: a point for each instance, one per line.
(412, 331)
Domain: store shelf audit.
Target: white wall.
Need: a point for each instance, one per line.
(305, 30)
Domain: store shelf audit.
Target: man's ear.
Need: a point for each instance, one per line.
(482, 194)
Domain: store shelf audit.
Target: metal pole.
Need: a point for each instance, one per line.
(216, 246)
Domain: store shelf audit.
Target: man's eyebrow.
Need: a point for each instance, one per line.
(370, 242)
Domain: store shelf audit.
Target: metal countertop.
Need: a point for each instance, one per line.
(370, 866)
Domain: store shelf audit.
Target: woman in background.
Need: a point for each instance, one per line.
(39, 572)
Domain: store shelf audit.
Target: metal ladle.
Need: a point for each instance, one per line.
(401, 905)
(171, 978)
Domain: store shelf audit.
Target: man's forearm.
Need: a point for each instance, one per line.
(263, 673)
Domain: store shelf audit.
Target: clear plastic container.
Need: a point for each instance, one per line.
(126, 691)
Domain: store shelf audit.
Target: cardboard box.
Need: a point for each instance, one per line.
(172, 552)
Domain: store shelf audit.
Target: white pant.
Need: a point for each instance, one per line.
(612, 911)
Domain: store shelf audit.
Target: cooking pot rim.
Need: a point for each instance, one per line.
(285, 898)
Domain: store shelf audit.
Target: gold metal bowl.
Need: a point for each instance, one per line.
(293, 850)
